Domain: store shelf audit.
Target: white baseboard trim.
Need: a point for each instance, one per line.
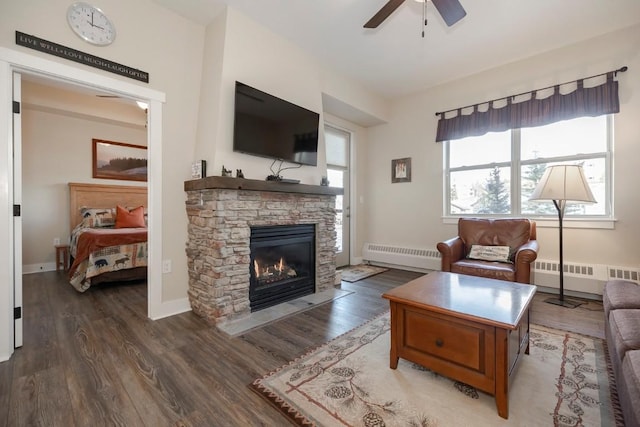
(38, 268)
(170, 308)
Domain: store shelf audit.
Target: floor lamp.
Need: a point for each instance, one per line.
(562, 184)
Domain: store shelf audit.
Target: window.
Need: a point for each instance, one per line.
(496, 173)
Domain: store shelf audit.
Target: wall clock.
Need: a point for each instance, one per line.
(91, 24)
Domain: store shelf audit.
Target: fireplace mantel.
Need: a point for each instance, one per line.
(225, 182)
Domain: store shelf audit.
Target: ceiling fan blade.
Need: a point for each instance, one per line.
(450, 10)
(383, 13)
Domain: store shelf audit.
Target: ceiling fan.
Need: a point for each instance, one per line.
(450, 10)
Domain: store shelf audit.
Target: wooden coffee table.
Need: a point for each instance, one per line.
(467, 328)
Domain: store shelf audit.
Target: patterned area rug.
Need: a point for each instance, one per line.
(347, 382)
(359, 272)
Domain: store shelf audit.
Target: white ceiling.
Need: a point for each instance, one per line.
(394, 59)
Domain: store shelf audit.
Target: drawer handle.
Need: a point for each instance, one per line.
(439, 342)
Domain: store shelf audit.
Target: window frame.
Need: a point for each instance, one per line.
(605, 220)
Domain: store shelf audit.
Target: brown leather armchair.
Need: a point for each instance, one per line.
(519, 234)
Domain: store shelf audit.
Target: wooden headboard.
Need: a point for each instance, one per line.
(103, 196)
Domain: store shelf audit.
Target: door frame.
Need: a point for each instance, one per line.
(14, 61)
(17, 219)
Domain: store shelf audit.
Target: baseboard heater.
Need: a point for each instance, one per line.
(402, 257)
(589, 278)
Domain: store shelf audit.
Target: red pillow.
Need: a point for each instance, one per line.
(130, 219)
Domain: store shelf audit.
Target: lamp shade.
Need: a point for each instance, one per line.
(563, 182)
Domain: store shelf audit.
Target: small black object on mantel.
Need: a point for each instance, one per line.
(324, 181)
(239, 173)
(226, 172)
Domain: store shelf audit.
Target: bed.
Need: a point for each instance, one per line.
(108, 240)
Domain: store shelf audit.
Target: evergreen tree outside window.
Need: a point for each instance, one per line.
(495, 198)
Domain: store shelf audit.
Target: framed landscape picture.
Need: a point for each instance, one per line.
(401, 170)
(117, 160)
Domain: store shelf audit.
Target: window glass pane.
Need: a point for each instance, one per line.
(480, 150)
(336, 142)
(335, 178)
(530, 175)
(594, 171)
(566, 138)
(481, 191)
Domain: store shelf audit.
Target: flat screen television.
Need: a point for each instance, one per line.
(267, 126)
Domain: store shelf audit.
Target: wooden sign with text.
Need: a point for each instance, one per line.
(33, 42)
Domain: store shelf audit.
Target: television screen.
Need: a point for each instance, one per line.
(271, 127)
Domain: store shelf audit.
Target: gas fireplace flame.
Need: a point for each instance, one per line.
(270, 273)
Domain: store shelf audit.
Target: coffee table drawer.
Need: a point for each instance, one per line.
(452, 340)
(449, 339)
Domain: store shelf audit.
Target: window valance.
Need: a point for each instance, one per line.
(583, 101)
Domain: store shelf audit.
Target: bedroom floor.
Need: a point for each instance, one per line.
(95, 356)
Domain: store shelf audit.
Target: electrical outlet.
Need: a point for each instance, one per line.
(166, 266)
(56, 241)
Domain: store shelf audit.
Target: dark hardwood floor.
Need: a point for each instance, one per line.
(95, 359)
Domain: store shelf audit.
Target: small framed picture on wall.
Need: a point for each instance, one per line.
(401, 170)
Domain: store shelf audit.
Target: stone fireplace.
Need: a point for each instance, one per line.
(223, 212)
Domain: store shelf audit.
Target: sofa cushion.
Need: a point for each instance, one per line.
(620, 294)
(625, 333)
(629, 388)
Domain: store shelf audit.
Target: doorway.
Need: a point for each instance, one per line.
(338, 147)
(59, 122)
(17, 62)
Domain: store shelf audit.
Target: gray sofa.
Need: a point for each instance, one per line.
(621, 300)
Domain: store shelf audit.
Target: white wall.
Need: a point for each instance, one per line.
(255, 56)
(57, 149)
(410, 214)
(239, 49)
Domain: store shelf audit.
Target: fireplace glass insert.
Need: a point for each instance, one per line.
(282, 264)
